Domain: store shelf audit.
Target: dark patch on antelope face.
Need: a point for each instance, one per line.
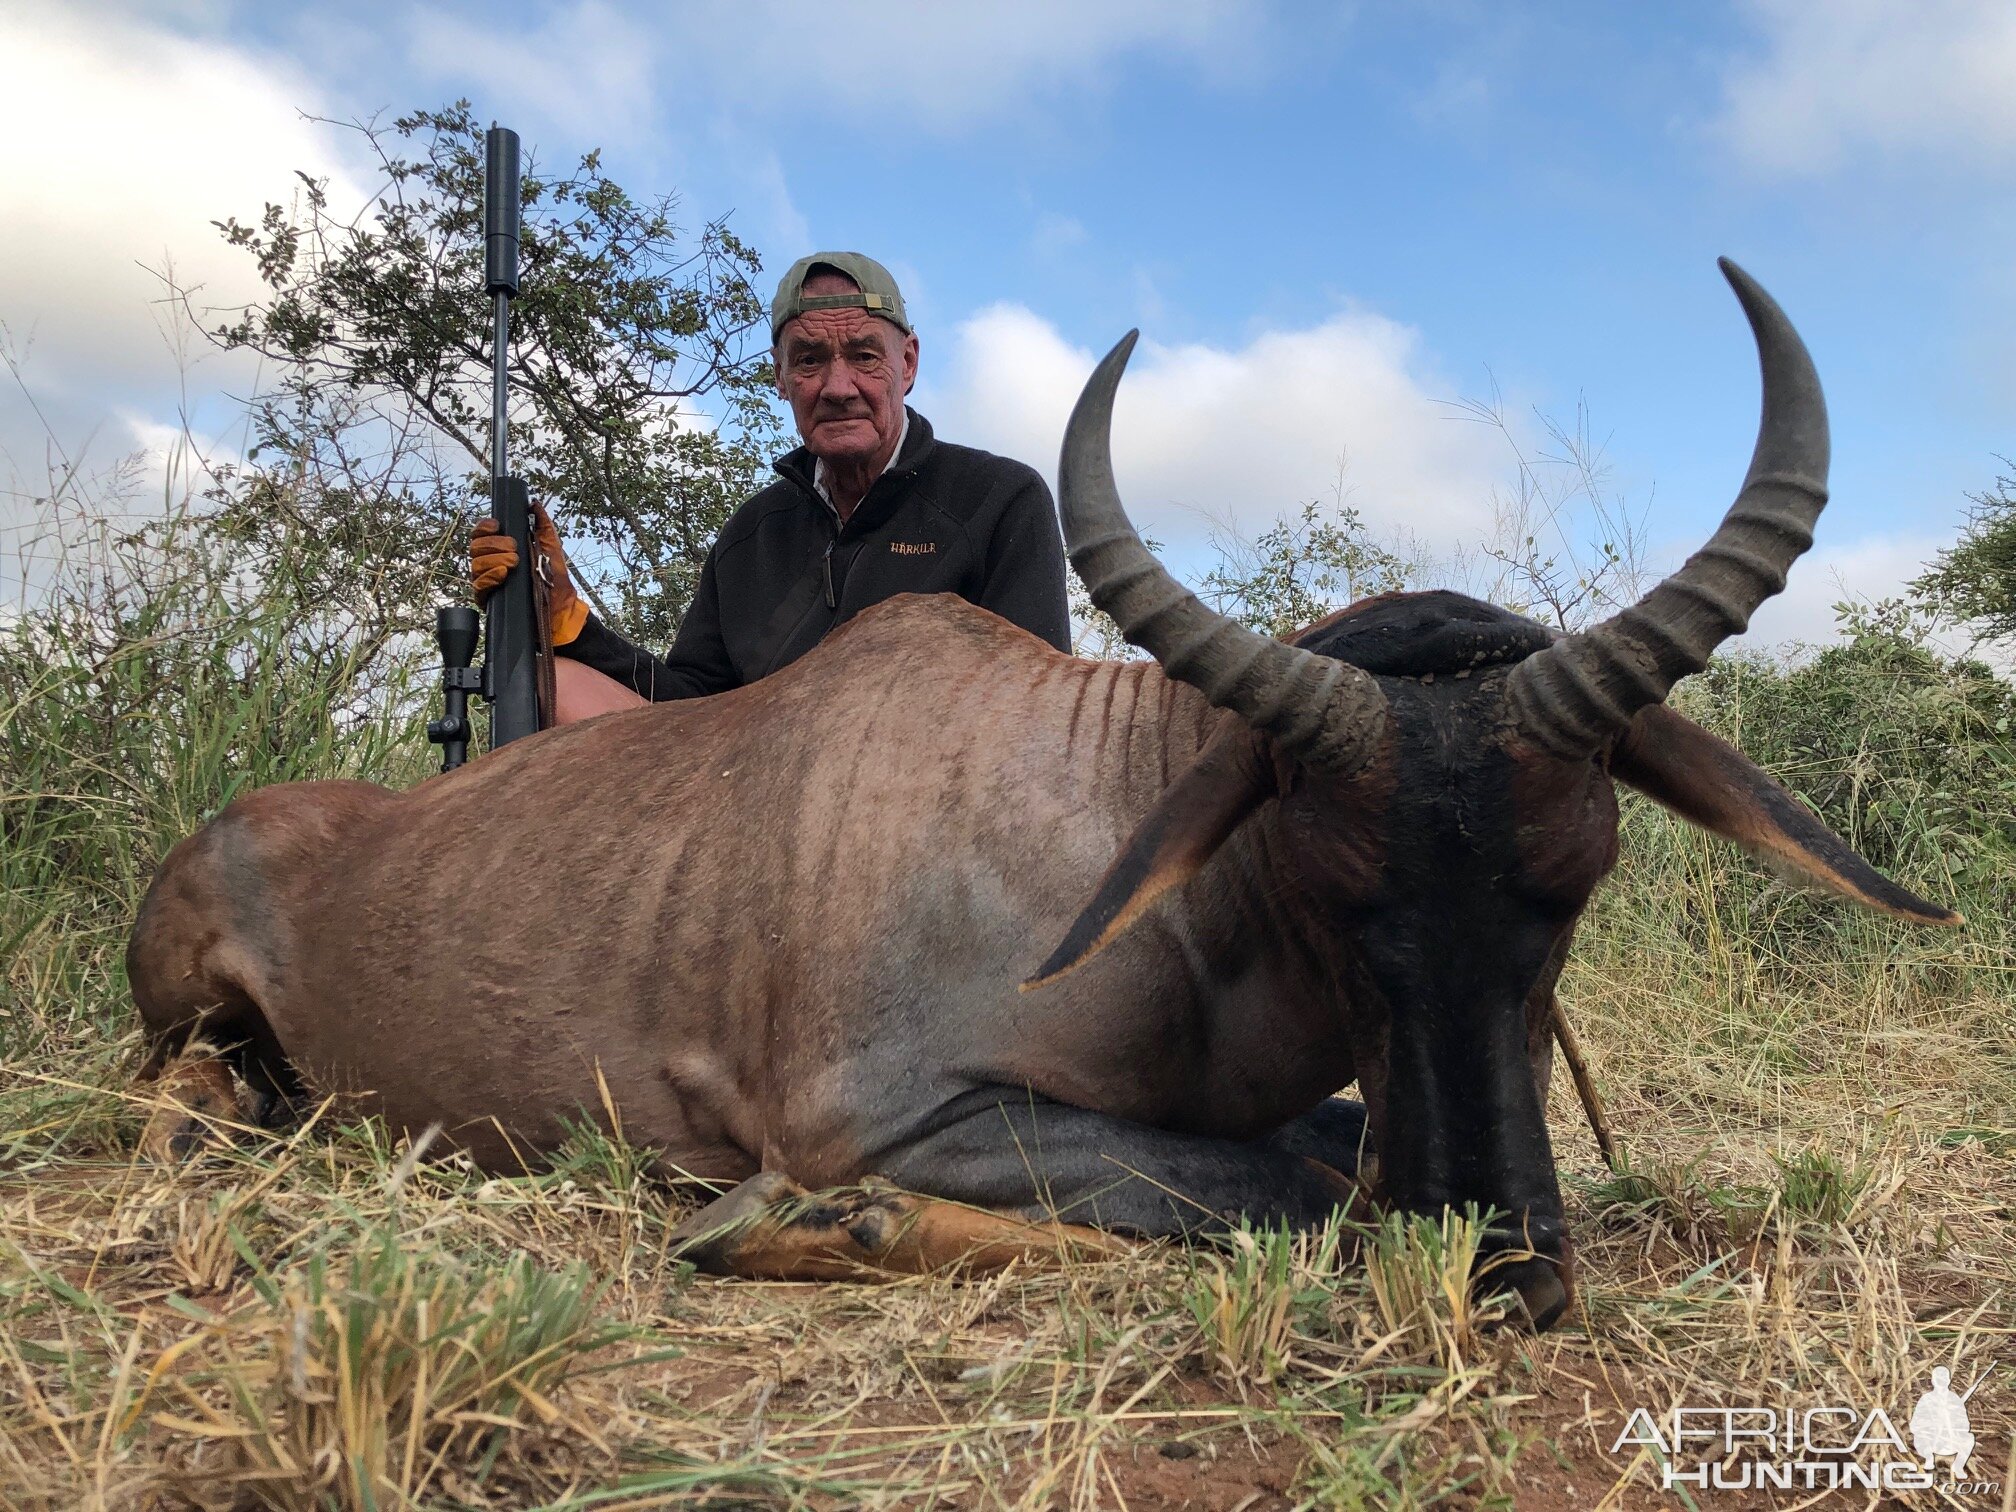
(1425, 634)
(1491, 850)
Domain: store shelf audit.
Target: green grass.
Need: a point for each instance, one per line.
(378, 1371)
(1817, 1106)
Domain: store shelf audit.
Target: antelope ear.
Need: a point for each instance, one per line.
(1707, 781)
(1231, 777)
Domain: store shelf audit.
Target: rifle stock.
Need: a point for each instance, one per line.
(509, 676)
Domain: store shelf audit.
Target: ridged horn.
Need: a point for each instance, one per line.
(1318, 710)
(1580, 693)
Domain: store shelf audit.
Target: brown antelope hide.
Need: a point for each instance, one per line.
(1074, 948)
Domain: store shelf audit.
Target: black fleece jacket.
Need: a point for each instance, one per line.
(784, 572)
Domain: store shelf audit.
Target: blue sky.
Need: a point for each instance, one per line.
(1330, 221)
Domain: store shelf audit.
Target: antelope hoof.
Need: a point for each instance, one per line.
(711, 1238)
(194, 1098)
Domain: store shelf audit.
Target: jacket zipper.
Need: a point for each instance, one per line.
(827, 566)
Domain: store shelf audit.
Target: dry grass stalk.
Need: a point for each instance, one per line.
(1812, 1200)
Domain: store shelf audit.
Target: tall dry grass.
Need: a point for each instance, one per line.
(1818, 1108)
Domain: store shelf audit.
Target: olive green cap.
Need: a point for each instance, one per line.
(877, 294)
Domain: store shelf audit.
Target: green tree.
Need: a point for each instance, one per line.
(639, 401)
(1299, 569)
(1973, 581)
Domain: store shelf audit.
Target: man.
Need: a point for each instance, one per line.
(872, 505)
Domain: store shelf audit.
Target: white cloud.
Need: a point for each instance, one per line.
(770, 209)
(180, 12)
(1839, 81)
(1056, 234)
(590, 68)
(1203, 434)
(1864, 570)
(905, 64)
(122, 143)
(1459, 98)
(1241, 435)
(922, 62)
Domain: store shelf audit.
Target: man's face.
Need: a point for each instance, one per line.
(845, 373)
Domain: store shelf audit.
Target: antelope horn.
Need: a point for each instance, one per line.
(1317, 709)
(1580, 693)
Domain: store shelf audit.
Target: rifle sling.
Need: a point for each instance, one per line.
(542, 646)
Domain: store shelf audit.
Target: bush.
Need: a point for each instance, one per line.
(1904, 752)
(151, 685)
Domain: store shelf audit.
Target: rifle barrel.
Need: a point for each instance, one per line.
(501, 225)
(500, 347)
(509, 674)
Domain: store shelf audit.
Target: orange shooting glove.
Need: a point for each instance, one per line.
(492, 554)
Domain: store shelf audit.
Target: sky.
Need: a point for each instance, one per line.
(1336, 225)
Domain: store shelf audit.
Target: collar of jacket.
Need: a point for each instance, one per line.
(880, 501)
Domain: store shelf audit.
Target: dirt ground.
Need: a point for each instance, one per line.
(166, 1343)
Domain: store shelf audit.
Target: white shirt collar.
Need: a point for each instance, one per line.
(819, 465)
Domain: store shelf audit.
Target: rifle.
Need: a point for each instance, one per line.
(509, 677)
